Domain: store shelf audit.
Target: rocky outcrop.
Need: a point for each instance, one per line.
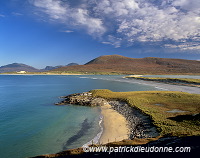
(140, 125)
(84, 99)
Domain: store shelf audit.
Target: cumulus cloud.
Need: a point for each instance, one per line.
(72, 17)
(119, 22)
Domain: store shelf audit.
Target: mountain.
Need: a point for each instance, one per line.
(72, 64)
(126, 65)
(17, 67)
(47, 68)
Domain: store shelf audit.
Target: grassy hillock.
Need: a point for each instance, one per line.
(174, 113)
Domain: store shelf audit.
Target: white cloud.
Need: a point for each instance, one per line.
(72, 17)
(67, 31)
(116, 42)
(184, 46)
(52, 8)
(127, 21)
(191, 5)
(1, 15)
(17, 14)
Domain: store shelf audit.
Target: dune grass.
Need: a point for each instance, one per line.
(156, 104)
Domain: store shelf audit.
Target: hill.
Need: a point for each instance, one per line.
(17, 67)
(72, 64)
(126, 65)
(48, 68)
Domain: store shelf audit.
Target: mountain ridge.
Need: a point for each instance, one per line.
(59, 66)
(118, 64)
(126, 65)
(17, 67)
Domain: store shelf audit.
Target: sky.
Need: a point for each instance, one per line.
(57, 32)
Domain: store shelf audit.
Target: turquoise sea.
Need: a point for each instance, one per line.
(30, 123)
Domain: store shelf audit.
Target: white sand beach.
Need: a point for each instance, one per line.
(115, 125)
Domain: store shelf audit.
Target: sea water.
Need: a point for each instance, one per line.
(30, 123)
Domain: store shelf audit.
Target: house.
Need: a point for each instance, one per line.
(21, 72)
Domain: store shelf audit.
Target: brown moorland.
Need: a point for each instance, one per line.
(124, 65)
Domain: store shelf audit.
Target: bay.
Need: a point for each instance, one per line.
(30, 123)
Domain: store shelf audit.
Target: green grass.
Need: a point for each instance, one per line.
(173, 80)
(148, 102)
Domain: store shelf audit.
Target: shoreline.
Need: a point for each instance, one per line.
(48, 74)
(114, 125)
(140, 125)
(120, 121)
(166, 80)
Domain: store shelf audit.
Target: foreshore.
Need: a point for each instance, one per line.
(120, 121)
(139, 124)
(115, 126)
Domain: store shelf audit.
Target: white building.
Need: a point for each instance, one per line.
(21, 72)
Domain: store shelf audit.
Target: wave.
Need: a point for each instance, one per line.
(95, 140)
(90, 78)
(162, 88)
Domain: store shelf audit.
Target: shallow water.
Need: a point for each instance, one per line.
(30, 123)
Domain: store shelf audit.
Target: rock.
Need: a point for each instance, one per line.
(84, 99)
(139, 124)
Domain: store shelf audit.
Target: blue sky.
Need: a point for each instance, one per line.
(57, 32)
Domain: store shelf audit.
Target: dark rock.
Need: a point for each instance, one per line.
(84, 99)
(140, 125)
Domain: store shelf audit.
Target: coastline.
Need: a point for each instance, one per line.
(140, 125)
(114, 125)
(141, 121)
(44, 74)
(167, 80)
(120, 121)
